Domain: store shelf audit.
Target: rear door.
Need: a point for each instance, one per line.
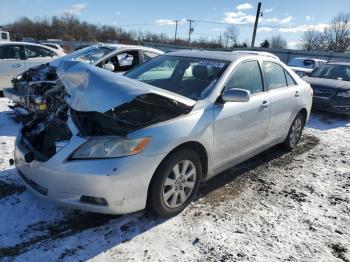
(11, 63)
(36, 55)
(284, 94)
(240, 128)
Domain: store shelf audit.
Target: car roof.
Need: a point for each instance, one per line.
(219, 55)
(339, 63)
(121, 46)
(309, 58)
(25, 43)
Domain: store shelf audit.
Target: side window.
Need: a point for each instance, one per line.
(148, 55)
(10, 52)
(36, 51)
(4, 36)
(275, 77)
(290, 80)
(123, 62)
(246, 75)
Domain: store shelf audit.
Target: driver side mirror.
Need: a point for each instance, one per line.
(235, 95)
(109, 67)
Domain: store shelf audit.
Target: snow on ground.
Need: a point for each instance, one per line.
(275, 207)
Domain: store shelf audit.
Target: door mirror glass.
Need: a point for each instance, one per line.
(235, 95)
(109, 67)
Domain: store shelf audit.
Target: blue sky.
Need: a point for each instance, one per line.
(290, 18)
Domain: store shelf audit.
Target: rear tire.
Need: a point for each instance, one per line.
(295, 132)
(175, 183)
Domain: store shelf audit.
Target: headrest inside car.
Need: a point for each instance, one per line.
(200, 72)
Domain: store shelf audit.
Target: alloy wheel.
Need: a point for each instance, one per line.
(179, 183)
(295, 132)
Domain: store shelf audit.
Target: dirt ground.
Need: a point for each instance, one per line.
(277, 206)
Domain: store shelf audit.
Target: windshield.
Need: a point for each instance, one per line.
(300, 62)
(91, 54)
(187, 76)
(340, 72)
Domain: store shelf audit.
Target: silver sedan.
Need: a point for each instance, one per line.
(149, 138)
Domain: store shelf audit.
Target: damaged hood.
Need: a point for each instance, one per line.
(91, 88)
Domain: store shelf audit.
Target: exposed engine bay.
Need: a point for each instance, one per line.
(39, 89)
(46, 135)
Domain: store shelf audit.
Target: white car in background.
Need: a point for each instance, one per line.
(54, 46)
(17, 57)
(303, 65)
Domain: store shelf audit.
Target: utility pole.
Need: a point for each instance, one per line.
(176, 21)
(190, 30)
(256, 24)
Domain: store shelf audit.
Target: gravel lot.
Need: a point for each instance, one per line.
(276, 207)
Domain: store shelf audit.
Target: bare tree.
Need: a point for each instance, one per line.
(312, 40)
(231, 35)
(336, 37)
(278, 41)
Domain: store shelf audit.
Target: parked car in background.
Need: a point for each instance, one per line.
(54, 46)
(32, 89)
(150, 137)
(303, 66)
(17, 57)
(331, 86)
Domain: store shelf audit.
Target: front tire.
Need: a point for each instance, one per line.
(295, 132)
(175, 183)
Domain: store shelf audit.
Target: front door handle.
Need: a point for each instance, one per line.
(16, 65)
(297, 94)
(265, 104)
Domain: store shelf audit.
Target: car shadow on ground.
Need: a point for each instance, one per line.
(325, 121)
(110, 231)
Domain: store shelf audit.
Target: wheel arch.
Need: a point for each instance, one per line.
(192, 145)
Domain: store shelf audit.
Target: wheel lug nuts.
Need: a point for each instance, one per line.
(183, 181)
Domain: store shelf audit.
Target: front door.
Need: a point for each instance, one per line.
(240, 128)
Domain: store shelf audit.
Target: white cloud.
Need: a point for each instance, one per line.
(218, 29)
(165, 22)
(286, 20)
(75, 9)
(238, 18)
(117, 13)
(279, 21)
(303, 28)
(294, 44)
(244, 6)
(268, 10)
(265, 29)
(308, 18)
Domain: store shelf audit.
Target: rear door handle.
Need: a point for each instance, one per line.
(16, 65)
(265, 104)
(297, 94)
